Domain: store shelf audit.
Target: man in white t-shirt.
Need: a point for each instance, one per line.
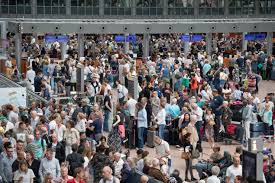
(234, 170)
(131, 103)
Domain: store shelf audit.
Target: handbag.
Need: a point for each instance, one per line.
(195, 154)
(211, 122)
(185, 155)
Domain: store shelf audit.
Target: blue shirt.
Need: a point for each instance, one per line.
(98, 126)
(206, 68)
(142, 118)
(174, 111)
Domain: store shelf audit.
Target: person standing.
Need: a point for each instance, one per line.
(49, 164)
(71, 136)
(107, 110)
(75, 160)
(23, 174)
(160, 120)
(108, 177)
(141, 124)
(6, 160)
(247, 117)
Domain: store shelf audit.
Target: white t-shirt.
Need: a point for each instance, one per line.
(131, 103)
(52, 125)
(233, 171)
(213, 179)
(26, 176)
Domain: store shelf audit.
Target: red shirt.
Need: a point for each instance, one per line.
(74, 181)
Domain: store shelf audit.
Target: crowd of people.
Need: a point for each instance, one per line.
(183, 100)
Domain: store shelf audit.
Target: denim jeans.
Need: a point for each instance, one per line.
(161, 131)
(202, 167)
(141, 137)
(106, 120)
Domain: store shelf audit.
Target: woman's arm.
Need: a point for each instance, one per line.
(117, 121)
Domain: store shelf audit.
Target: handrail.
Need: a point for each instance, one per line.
(8, 82)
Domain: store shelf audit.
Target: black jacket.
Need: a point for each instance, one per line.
(59, 152)
(75, 160)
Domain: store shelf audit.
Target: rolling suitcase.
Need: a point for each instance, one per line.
(166, 135)
(257, 127)
(150, 138)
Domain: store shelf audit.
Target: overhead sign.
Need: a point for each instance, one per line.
(196, 38)
(185, 38)
(130, 38)
(255, 37)
(120, 39)
(61, 39)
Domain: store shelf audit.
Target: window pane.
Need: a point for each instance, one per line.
(74, 3)
(5, 2)
(74, 10)
(5, 9)
(28, 10)
(28, 2)
(62, 3)
(81, 3)
(55, 10)
(20, 9)
(62, 10)
(12, 2)
(48, 2)
(40, 10)
(48, 10)
(40, 2)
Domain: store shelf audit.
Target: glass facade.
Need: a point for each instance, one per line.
(180, 7)
(211, 7)
(140, 8)
(117, 7)
(51, 7)
(16, 6)
(85, 7)
(149, 7)
(267, 7)
(242, 7)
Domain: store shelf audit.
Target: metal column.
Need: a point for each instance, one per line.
(80, 40)
(196, 8)
(146, 46)
(257, 8)
(165, 7)
(226, 8)
(3, 37)
(101, 7)
(269, 43)
(245, 42)
(68, 7)
(34, 6)
(63, 47)
(209, 43)
(133, 8)
(126, 44)
(18, 50)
